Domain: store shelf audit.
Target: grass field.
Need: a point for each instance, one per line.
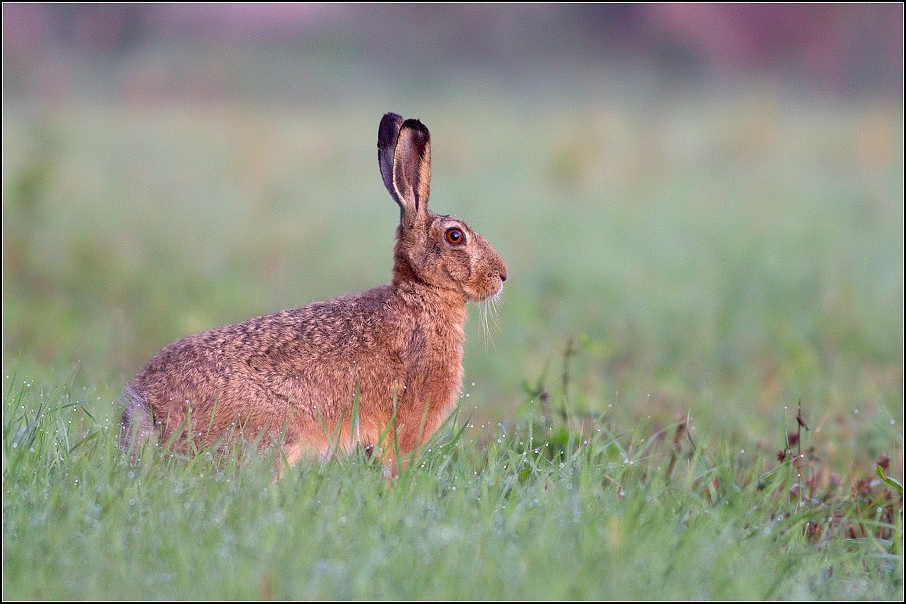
(682, 277)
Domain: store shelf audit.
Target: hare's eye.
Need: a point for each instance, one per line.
(455, 236)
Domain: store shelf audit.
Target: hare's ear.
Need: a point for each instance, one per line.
(404, 156)
(388, 132)
(412, 170)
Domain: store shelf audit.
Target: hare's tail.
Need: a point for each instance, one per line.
(137, 424)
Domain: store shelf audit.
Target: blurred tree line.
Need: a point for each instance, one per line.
(847, 49)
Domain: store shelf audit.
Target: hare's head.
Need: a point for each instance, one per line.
(440, 251)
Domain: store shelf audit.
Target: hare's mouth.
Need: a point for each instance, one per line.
(490, 288)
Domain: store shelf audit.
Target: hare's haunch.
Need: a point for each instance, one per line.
(381, 369)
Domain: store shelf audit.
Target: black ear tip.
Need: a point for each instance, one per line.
(415, 125)
(389, 128)
(390, 122)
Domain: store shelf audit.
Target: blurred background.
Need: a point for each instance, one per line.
(701, 206)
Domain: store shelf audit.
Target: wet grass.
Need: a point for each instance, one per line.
(540, 509)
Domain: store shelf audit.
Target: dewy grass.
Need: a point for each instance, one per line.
(481, 513)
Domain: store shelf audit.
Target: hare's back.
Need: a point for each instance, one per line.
(296, 357)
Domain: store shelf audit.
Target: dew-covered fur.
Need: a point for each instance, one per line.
(385, 362)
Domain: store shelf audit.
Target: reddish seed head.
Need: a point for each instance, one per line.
(813, 531)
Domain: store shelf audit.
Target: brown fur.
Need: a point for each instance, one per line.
(294, 375)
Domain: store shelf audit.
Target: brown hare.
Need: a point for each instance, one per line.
(379, 370)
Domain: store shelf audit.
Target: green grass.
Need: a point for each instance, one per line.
(484, 513)
(682, 276)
